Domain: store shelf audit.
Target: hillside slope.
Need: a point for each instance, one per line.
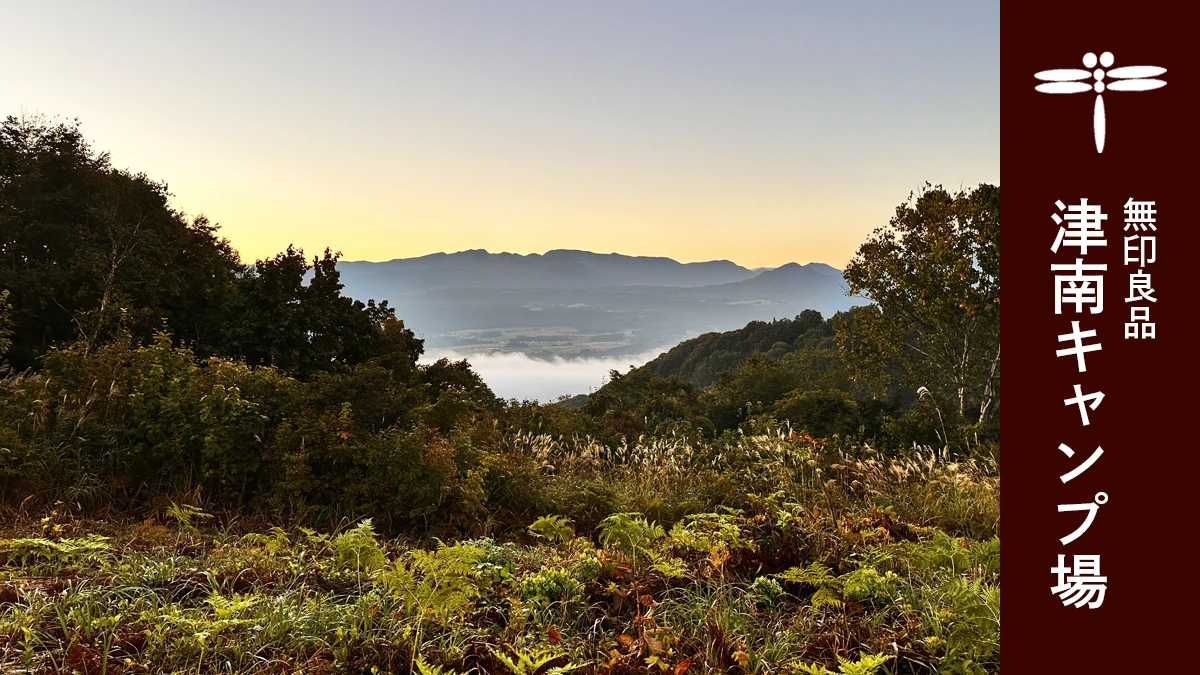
(702, 359)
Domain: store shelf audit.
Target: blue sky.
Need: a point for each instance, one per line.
(762, 132)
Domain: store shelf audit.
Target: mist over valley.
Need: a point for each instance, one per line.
(539, 326)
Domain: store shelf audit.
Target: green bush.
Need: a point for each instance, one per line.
(551, 585)
(820, 413)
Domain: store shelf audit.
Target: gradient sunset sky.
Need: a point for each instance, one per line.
(762, 132)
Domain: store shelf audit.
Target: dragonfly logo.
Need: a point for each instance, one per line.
(1126, 78)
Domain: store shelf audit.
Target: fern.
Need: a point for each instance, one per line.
(314, 537)
(228, 608)
(862, 585)
(828, 587)
(357, 549)
(630, 533)
(555, 529)
(868, 664)
(425, 668)
(535, 662)
(866, 584)
(437, 585)
(815, 574)
(669, 567)
(55, 554)
(276, 541)
(965, 614)
(951, 555)
(184, 515)
(703, 531)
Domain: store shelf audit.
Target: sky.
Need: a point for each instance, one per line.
(762, 133)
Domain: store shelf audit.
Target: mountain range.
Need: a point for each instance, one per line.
(569, 303)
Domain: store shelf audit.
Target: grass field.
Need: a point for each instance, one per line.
(860, 565)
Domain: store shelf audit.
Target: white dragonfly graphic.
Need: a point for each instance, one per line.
(1127, 78)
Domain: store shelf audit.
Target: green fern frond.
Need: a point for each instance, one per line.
(533, 662)
(425, 668)
(555, 529)
(357, 549)
(868, 664)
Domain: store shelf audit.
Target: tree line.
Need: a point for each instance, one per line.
(89, 251)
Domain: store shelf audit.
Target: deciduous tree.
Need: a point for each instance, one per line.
(934, 274)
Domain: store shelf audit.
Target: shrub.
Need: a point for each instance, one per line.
(820, 413)
(550, 585)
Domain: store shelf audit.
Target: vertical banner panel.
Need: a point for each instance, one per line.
(1098, 160)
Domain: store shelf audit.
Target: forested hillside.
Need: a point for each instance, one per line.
(701, 360)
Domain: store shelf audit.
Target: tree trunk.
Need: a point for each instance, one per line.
(989, 390)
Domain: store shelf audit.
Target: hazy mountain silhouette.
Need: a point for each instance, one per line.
(553, 269)
(789, 283)
(577, 303)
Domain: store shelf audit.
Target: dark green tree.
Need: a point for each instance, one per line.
(640, 401)
(278, 318)
(269, 327)
(456, 394)
(85, 247)
(820, 413)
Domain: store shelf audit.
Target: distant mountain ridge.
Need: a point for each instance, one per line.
(782, 283)
(559, 268)
(567, 303)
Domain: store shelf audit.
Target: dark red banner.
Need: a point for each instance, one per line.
(1098, 156)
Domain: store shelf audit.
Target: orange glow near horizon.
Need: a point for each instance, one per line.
(781, 133)
(374, 225)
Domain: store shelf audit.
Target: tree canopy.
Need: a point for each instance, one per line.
(85, 247)
(702, 359)
(934, 274)
(89, 251)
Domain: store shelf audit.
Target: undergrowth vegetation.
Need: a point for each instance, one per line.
(852, 563)
(163, 514)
